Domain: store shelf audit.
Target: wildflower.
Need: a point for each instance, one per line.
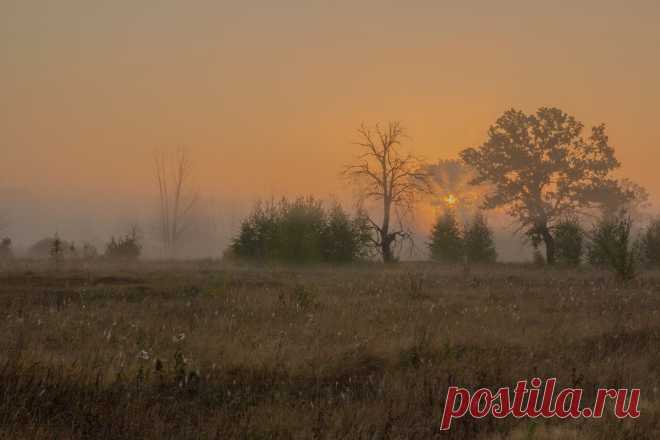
(144, 355)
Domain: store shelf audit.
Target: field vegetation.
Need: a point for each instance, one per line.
(206, 350)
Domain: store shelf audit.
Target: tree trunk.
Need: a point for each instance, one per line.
(386, 249)
(385, 237)
(549, 241)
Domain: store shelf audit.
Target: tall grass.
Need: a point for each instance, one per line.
(191, 352)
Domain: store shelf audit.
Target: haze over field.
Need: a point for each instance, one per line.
(267, 96)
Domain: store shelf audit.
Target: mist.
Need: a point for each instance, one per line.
(267, 100)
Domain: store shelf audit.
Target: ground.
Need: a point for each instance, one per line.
(202, 350)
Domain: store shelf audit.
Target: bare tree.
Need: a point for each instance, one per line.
(389, 176)
(177, 197)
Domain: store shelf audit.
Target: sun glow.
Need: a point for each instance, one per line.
(451, 200)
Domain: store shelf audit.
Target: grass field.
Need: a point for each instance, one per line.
(197, 350)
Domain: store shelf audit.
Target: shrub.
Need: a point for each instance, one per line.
(5, 249)
(446, 243)
(612, 246)
(124, 248)
(478, 241)
(650, 244)
(569, 242)
(302, 231)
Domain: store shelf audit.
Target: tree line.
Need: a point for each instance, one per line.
(544, 169)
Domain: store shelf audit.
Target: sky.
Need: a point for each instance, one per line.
(266, 96)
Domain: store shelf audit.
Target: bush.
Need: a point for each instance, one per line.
(302, 231)
(5, 249)
(478, 241)
(446, 243)
(124, 248)
(612, 246)
(569, 242)
(650, 244)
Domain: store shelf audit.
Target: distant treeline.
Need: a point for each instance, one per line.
(127, 247)
(541, 169)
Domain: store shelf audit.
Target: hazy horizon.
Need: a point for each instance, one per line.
(267, 98)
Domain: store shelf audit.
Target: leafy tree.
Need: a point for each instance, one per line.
(569, 240)
(391, 177)
(446, 243)
(478, 241)
(542, 168)
(650, 244)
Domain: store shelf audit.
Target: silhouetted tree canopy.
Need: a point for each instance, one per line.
(478, 241)
(623, 194)
(446, 243)
(542, 167)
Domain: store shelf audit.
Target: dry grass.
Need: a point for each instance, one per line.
(201, 351)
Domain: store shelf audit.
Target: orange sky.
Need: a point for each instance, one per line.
(267, 97)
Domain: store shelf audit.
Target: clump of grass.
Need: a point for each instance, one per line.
(303, 297)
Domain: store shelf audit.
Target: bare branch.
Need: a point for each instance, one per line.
(177, 198)
(387, 175)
